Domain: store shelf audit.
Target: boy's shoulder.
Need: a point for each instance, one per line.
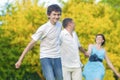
(47, 25)
(44, 26)
(59, 24)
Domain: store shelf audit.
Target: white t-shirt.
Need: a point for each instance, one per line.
(48, 34)
(70, 49)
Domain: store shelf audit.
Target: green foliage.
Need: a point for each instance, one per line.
(26, 17)
(14, 36)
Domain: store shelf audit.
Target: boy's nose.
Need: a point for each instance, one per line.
(57, 16)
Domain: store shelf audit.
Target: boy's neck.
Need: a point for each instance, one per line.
(53, 23)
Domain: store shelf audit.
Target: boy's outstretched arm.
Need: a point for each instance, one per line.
(28, 47)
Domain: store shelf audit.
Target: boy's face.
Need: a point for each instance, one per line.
(54, 16)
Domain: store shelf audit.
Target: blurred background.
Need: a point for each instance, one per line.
(19, 19)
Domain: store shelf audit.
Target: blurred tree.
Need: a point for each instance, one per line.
(27, 16)
(14, 36)
(114, 3)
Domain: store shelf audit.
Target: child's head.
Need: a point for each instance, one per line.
(68, 22)
(54, 13)
(53, 7)
(100, 39)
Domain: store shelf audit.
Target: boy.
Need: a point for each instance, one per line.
(70, 47)
(48, 34)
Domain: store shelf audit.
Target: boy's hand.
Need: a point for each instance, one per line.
(118, 75)
(17, 65)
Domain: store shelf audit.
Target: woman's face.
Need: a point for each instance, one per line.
(99, 39)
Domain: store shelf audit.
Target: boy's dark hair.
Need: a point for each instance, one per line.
(66, 21)
(53, 7)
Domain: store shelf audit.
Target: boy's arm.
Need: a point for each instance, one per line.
(29, 46)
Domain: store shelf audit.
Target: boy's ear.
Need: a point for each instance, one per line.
(48, 16)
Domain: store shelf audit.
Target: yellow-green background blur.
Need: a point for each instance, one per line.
(23, 19)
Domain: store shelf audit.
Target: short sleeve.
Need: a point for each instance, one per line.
(38, 35)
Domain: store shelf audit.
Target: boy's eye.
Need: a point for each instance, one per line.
(56, 14)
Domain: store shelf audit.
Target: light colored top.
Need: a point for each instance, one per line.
(70, 49)
(48, 34)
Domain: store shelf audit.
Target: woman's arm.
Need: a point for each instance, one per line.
(111, 66)
(89, 49)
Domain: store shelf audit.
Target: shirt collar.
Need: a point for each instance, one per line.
(51, 23)
(67, 31)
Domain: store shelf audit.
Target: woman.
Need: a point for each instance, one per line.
(94, 69)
